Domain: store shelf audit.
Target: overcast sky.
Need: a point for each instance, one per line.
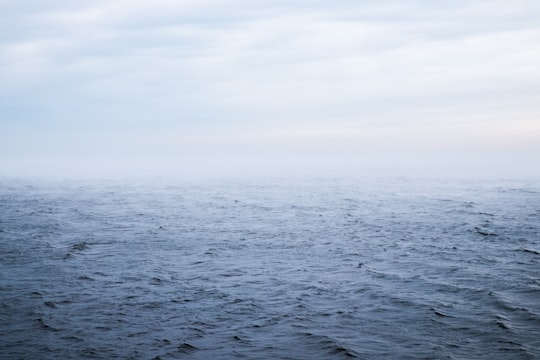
(225, 87)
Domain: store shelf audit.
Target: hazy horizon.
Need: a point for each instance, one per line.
(235, 88)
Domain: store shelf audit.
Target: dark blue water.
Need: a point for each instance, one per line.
(319, 269)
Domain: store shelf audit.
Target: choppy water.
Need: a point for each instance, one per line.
(287, 270)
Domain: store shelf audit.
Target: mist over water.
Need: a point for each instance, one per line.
(344, 257)
(308, 269)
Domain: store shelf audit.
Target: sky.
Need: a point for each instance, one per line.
(269, 88)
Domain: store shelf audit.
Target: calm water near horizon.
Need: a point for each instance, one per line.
(314, 269)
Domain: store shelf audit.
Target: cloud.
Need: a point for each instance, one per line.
(176, 78)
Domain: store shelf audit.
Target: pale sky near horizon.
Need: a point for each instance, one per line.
(237, 87)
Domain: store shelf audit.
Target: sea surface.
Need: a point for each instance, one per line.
(281, 269)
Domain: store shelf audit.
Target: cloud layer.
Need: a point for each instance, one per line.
(161, 85)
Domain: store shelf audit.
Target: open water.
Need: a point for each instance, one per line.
(319, 269)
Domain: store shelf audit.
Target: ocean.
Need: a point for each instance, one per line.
(387, 268)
